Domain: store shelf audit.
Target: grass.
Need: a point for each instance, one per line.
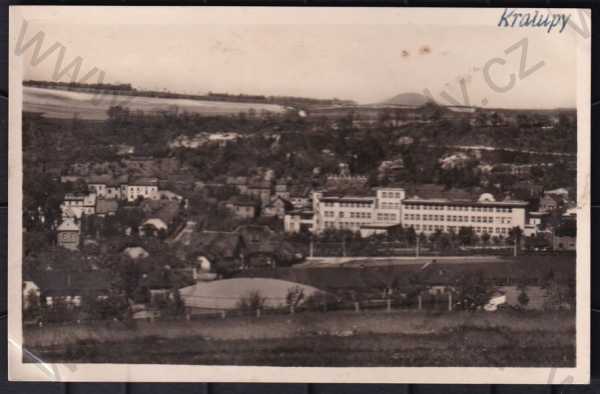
(342, 339)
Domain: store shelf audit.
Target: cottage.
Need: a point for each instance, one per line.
(299, 220)
(242, 208)
(240, 182)
(224, 250)
(106, 207)
(261, 190)
(145, 188)
(549, 203)
(263, 246)
(160, 215)
(75, 205)
(68, 234)
(71, 287)
(282, 190)
(300, 196)
(277, 208)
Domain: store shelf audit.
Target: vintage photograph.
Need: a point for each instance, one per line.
(332, 188)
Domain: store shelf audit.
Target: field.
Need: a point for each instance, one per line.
(369, 273)
(65, 104)
(399, 338)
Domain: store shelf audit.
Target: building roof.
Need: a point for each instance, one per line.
(167, 212)
(286, 204)
(215, 244)
(59, 283)
(143, 181)
(237, 180)
(68, 224)
(348, 198)
(104, 206)
(242, 201)
(259, 184)
(107, 179)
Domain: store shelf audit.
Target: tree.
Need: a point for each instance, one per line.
(466, 235)
(485, 238)
(473, 291)
(33, 311)
(523, 298)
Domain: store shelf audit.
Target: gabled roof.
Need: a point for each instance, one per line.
(68, 224)
(72, 282)
(107, 179)
(104, 206)
(165, 210)
(242, 201)
(215, 244)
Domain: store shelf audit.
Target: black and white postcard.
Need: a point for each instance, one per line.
(269, 194)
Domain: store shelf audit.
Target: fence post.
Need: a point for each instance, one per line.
(291, 309)
(450, 301)
(356, 306)
(389, 304)
(420, 302)
(223, 314)
(258, 312)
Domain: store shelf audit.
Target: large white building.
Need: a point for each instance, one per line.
(348, 212)
(390, 206)
(484, 215)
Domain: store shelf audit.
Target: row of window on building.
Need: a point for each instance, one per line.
(453, 218)
(348, 204)
(343, 225)
(353, 215)
(456, 208)
(391, 194)
(387, 217)
(390, 205)
(478, 230)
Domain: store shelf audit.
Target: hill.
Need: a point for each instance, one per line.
(410, 99)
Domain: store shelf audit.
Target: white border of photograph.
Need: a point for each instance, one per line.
(271, 15)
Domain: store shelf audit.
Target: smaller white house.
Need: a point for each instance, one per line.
(75, 205)
(146, 188)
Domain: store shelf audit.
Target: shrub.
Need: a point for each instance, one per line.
(523, 298)
(251, 301)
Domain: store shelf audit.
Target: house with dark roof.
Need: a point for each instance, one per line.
(106, 207)
(260, 189)
(224, 250)
(160, 214)
(263, 246)
(242, 207)
(277, 207)
(549, 202)
(72, 287)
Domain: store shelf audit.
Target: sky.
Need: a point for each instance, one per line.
(367, 63)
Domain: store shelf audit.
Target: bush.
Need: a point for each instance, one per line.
(319, 300)
(523, 298)
(251, 301)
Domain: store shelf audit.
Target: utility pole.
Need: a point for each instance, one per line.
(312, 247)
(515, 249)
(344, 246)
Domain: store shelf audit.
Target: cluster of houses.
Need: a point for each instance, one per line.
(104, 197)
